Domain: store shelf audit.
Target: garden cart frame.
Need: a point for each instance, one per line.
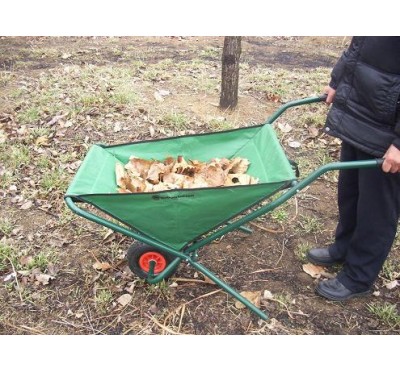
(171, 226)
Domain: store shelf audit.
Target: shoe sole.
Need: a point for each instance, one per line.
(333, 298)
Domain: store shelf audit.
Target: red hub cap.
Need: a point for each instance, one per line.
(159, 260)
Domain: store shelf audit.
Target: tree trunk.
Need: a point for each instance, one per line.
(230, 72)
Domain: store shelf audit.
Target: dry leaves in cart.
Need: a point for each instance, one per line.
(140, 175)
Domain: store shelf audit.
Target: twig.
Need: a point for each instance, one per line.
(203, 296)
(177, 279)
(266, 270)
(287, 309)
(283, 248)
(116, 312)
(296, 205)
(259, 281)
(218, 240)
(180, 320)
(190, 301)
(23, 327)
(161, 325)
(94, 256)
(274, 231)
(63, 322)
(87, 317)
(248, 327)
(301, 314)
(16, 280)
(282, 303)
(119, 312)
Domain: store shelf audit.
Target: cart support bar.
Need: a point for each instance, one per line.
(121, 229)
(229, 290)
(297, 187)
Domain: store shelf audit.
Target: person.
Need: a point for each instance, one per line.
(363, 95)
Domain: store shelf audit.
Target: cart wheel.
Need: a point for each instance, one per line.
(140, 255)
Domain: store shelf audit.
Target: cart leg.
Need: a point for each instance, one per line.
(244, 229)
(152, 265)
(229, 290)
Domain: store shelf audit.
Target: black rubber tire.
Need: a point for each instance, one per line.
(134, 253)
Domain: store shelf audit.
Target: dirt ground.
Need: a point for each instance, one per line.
(50, 281)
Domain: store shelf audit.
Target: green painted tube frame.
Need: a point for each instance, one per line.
(188, 254)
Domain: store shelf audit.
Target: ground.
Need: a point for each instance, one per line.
(62, 274)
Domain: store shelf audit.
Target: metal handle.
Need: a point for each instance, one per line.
(294, 103)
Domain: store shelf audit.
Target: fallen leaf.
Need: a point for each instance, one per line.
(102, 266)
(268, 295)
(272, 324)
(124, 299)
(158, 96)
(164, 93)
(137, 166)
(314, 271)
(153, 309)
(238, 166)
(130, 287)
(3, 136)
(152, 131)
(52, 269)
(273, 97)
(17, 199)
(57, 242)
(16, 231)
(117, 127)
(252, 296)
(119, 174)
(79, 314)
(294, 144)
(42, 141)
(44, 279)
(55, 119)
(26, 260)
(313, 131)
(9, 277)
(109, 236)
(284, 127)
(27, 205)
(392, 285)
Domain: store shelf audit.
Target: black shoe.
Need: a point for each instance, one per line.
(332, 289)
(321, 256)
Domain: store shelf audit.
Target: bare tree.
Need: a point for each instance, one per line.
(230, 71)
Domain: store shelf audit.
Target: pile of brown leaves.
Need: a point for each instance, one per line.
(140, 175)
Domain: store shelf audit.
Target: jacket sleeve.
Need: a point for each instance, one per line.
(337, 71)
(346, 62)
(396, 141)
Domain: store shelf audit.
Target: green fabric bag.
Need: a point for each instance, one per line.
(178, 217)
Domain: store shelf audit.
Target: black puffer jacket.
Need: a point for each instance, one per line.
(367, 82)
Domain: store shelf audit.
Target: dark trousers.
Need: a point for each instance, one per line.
(369, 209)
